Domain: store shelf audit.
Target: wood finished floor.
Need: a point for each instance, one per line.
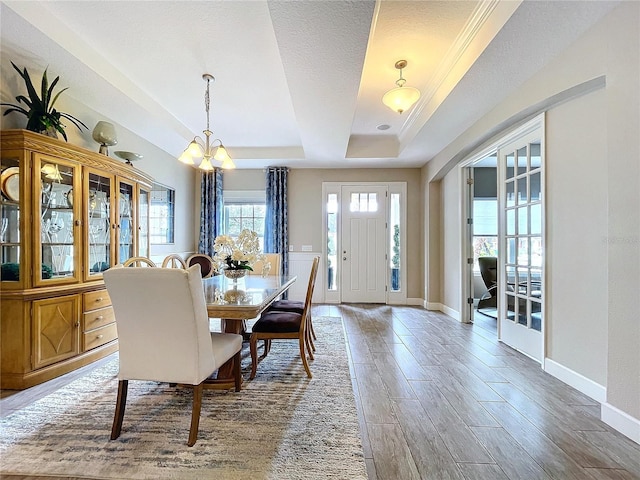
(438, 399)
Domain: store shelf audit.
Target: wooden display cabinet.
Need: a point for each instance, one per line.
(68, 214)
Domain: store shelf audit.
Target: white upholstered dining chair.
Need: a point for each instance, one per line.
(163, 332)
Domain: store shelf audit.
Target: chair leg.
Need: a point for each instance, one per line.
(120, 405)
(195, 414)
(237, 371)
(304, 357)
(267, 346)
(253, 347)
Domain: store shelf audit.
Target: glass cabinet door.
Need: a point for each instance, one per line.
(12, 264)
(143, 222)
(99, 231)
(125, 221)
(57, 255)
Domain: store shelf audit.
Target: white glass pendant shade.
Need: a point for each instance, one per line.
(228, 164)
(401, 99)
(221, 154)
(195, 150)
(186, 158)
(206, 165)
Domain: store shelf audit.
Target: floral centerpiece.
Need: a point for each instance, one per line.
(236, 257)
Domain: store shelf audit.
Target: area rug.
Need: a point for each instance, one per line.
(282, 425)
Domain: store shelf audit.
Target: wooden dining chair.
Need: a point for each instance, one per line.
(174, 261)
(207, 268)
(297, 306)
(274, 260)
(138, 262)
(165, 337)
(276, 325)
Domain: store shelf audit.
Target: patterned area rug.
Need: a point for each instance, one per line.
(281, 426)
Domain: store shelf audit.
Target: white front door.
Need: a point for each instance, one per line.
(521, 261)
(363, 247)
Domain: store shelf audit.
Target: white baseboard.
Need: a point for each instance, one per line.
(432, 306)
(576, 380)
(450, 311)
(415, 301)
(621, 421)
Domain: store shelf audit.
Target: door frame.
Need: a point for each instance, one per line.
(537, 122)
(394, 298)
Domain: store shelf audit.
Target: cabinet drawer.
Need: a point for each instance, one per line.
(97, 318)
(99, 336)
(98, 299)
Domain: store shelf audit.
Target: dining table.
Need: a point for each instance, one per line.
(234, 301)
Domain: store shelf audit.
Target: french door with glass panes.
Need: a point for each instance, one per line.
(522, 241)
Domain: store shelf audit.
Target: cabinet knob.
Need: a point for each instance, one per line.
(99, 318)
(99, 299)
(99, 336)
(77, 324)
(77, 223)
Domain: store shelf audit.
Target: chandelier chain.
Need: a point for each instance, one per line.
(206, 102)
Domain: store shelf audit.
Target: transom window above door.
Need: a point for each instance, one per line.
(364, 202)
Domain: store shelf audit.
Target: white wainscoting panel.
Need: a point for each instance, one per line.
(300, 265)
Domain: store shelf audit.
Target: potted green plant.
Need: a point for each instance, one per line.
(395, 259)
(41, 115)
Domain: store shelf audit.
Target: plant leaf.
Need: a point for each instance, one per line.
(36, 103)
(44, 87)
(56, 97)
(74, 120)
(15, 108)
(50, 92)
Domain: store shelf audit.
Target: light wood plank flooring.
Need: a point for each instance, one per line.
(438, 399)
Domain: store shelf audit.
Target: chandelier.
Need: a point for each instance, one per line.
(401, 98)
(207, 148)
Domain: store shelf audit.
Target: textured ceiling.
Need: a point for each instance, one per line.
(298, 83)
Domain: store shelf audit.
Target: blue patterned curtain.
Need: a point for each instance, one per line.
(211, 208)
(276, 229)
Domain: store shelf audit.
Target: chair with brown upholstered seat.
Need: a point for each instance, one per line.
(207, 268)
(276, 325)
(297, 306)
(163, 334)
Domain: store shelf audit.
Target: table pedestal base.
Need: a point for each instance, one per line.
(224, 379)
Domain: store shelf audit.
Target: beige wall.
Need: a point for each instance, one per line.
(576, 224)
(305, 210)
(593, 205)
(305, 207)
